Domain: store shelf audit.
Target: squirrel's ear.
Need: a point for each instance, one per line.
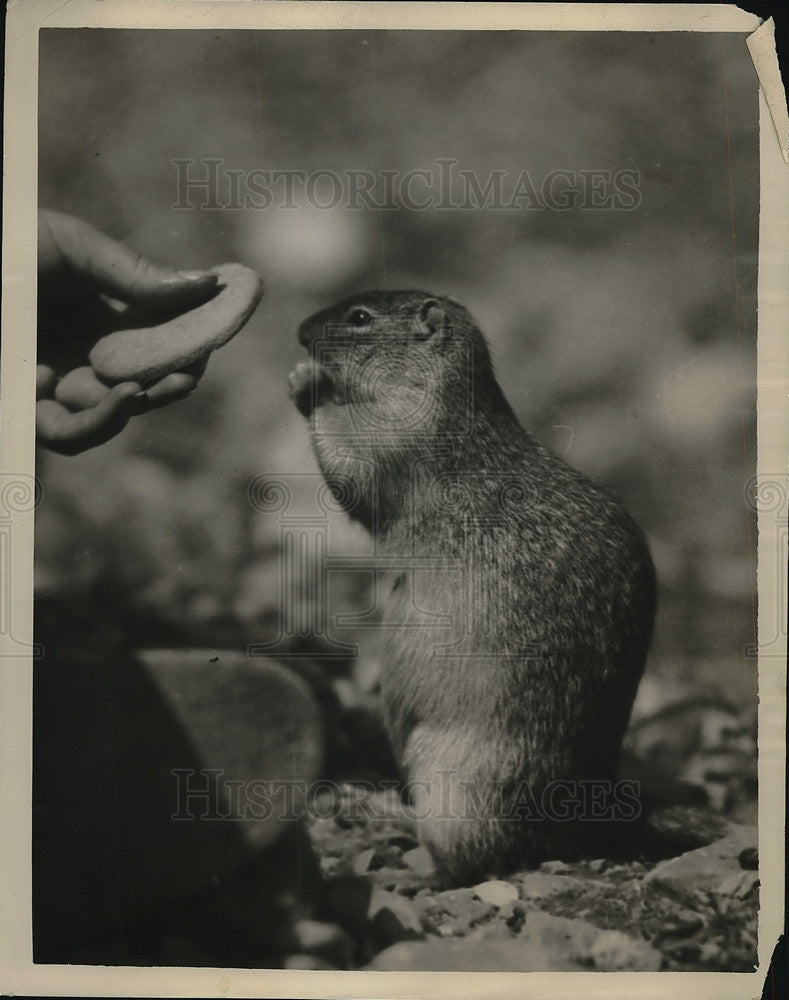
(432, 318)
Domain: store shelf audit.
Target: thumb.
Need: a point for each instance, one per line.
(116, 270)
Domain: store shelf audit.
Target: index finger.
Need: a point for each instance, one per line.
(113, 268)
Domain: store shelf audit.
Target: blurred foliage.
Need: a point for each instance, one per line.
(626, 340)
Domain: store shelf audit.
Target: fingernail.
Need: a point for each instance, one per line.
(128, 388)
(129, 392)
(197, 275)
(138, 403)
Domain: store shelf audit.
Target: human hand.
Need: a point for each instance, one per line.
(90, 285)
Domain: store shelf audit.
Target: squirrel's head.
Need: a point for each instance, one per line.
(403, 365)
(395, 384)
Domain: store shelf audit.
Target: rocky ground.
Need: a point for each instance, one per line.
(687, 901)
(348, 886)
(695, 911)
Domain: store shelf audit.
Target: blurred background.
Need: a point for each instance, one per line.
(625, 340)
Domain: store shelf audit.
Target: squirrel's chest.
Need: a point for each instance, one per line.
(432, 650)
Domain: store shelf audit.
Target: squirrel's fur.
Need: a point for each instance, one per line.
(523, 600)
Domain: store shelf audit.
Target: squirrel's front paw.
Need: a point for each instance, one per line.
(309, 385)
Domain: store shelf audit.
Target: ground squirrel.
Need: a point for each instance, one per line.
(517, 623)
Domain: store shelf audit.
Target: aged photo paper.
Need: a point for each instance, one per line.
(394, 476)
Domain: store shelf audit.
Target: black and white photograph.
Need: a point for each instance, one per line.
(395, 597)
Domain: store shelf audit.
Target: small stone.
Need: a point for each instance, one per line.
(496, 893)
(147, 354)
(324, 941)
(361, 862)
(710, 952)
(419, 860)
(683, 925)
(555, 868)
(598, 865)
(686, 917)
(614, 951)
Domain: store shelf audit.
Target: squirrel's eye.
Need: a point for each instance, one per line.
(360, 317)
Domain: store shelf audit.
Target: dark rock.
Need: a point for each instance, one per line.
(402, 841)
(254, 722)
(393, 918)
(133, 814)
(346, 900)
(517, 918)
(678, 829)
(245, 919)
(363, 748)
